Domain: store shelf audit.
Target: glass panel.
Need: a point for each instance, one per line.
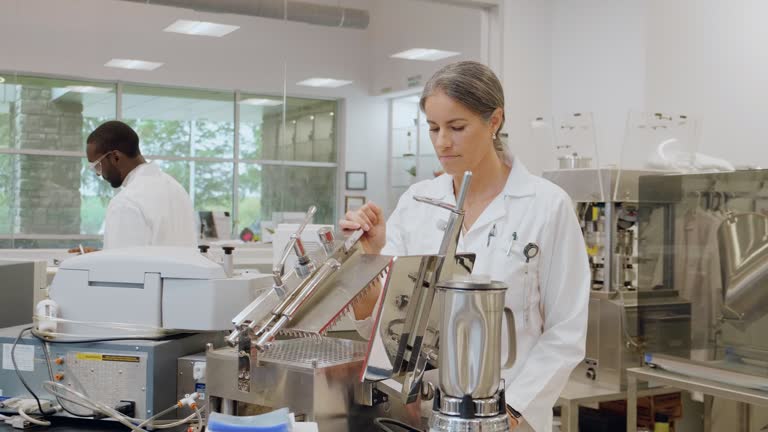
(52, 114)
(95, 194)
(310, 130)
(181, 122)
(662, 142)
(7, 99)
(48, 191)
(212, 186)
(704, 237)
(58, 196)
(294, 189)
(209, 184)
(176, 169)
(51, 195)
(249, 194)
(6, 194)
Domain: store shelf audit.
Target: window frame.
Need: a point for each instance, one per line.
(236, 161)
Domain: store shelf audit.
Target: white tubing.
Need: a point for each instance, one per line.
(28, 418)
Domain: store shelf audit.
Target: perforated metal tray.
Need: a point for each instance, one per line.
(314, 353)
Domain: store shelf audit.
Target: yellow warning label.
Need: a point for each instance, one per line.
(89, 356)
(108, 357)
(119, 358)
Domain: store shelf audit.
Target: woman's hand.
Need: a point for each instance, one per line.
(370, 219)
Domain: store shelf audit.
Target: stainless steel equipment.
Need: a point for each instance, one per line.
(23, 280)
(256, 376)
(743, 240)
(191, 375)
(141, 373)
(616, 340)
(470, 396)
(574, 161)
(607, 205)
(471, 325)
(315, 377)
(725, 270)
(406, 332)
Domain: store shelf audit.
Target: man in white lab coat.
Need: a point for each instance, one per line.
(152, 209)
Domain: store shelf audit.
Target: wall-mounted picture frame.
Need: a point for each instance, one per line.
(357, 180)
(353, 202)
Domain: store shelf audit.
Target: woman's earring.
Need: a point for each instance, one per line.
(494, 136)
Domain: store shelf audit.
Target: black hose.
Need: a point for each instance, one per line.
(21, 378)
(382, 423)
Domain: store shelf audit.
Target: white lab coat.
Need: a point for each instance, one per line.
(549, 303)
(152, 209)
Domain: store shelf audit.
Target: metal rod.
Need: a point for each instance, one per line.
(463, 191)
(236, 167)
(277, 269)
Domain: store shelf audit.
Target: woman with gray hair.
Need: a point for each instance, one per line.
(508, 212)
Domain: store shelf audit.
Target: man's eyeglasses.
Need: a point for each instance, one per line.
(96, 165)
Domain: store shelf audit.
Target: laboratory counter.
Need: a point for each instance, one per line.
(63, 424)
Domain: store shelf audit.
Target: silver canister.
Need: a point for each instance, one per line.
(470, 337)
(574, 161)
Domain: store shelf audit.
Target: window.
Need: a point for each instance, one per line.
(288, 158)
(190, 135)
(283, 160)
(46, 197)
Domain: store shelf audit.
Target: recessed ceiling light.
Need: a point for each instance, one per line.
(323, 82)
(424, 54)
(88, 89)
(261, 102)
(200, 28)
(133, 64)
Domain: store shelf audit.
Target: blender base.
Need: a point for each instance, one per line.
(439, 422)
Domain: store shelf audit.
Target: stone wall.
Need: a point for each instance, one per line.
(47, 191)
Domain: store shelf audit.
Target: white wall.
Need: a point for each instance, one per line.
(708, 58)
(366, 142)
(562, 57)
(704, 58)
(598, 66)
(398, 25)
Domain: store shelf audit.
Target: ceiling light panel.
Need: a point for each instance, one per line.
(88, 89)
(323, 82)
(425, 54)
(133, 64)
(200, 28)
(261, 102)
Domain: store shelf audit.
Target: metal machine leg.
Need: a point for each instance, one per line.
(573, 417)
(569, 417)
(631, 403)
(708, 402)
(745, 416)
(228, 407)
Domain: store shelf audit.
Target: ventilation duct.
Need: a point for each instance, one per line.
(297, 11)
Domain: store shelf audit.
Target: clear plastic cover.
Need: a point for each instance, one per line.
(661, 142)
(705, 236)
(570, 148)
